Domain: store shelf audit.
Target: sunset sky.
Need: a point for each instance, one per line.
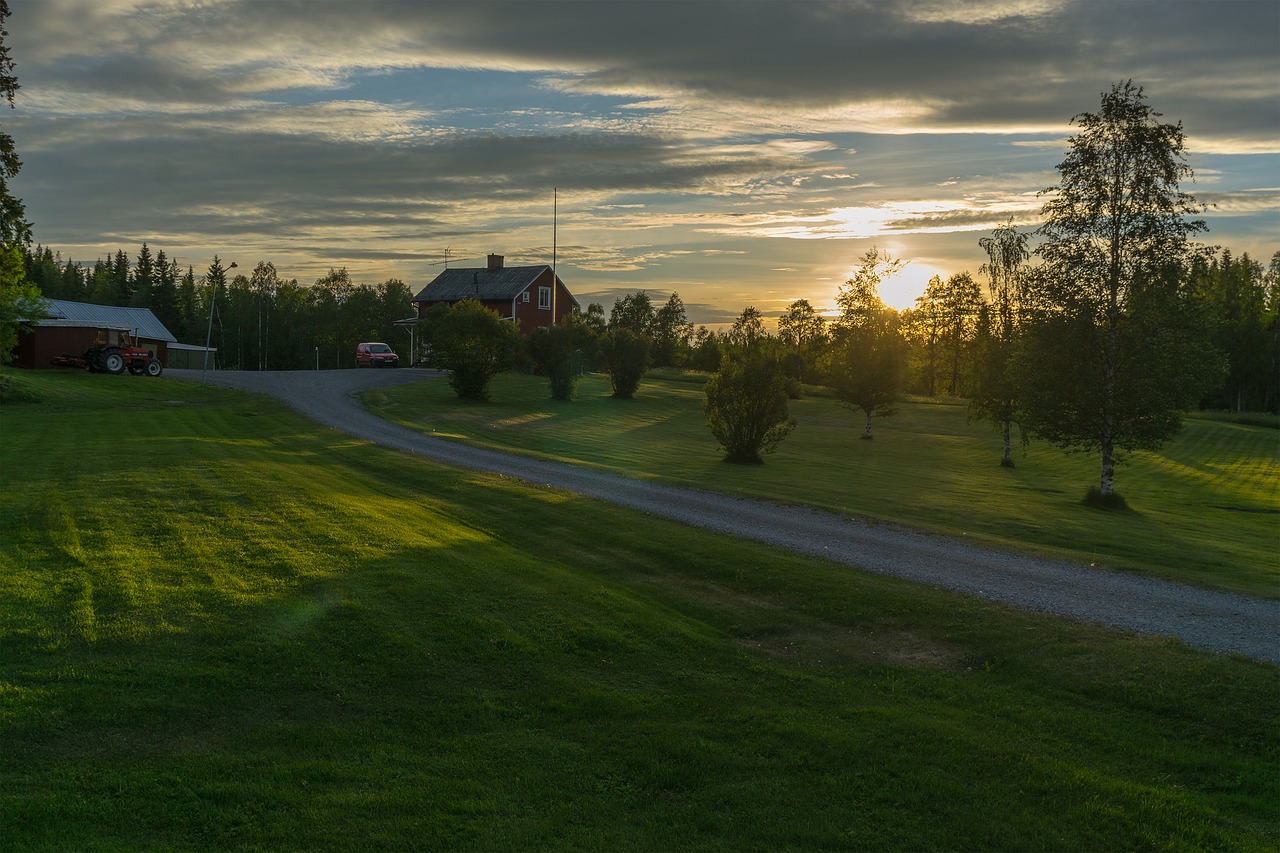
(742, 153)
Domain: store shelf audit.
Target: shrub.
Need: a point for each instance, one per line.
(626, 353)
(746, 408)
(474, 344)
(562, 353)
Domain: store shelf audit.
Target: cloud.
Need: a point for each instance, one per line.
(890, 67)
(385, 131)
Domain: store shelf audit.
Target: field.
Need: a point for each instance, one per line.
(224, 627)
(1204, 510)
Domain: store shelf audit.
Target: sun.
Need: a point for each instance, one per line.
(900, 290)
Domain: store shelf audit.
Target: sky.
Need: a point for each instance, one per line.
(738, 153)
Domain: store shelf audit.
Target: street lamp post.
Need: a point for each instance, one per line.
(208, 334)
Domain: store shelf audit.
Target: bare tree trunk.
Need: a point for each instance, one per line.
(1007, 460)
(867, 434)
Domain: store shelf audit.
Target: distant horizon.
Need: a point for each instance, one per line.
(735, 159)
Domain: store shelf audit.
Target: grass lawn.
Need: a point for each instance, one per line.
(223, 627)
(1205, 509)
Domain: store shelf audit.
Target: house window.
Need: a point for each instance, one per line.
(544, 297)
(525, 295)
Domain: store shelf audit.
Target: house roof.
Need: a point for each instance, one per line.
(140, 321)
(480, 283)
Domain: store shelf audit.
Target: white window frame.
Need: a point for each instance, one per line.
(526, 296)
(544, 298)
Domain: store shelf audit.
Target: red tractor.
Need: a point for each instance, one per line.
(114, 351)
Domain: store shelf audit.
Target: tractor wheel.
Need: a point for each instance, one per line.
(154, 367)
(112, 361)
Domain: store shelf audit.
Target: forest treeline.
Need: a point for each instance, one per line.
(260, 320)
(264, 321)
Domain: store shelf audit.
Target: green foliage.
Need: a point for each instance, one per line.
(671, 331)
(20, 301)
(867, 363)
(1241, 307)
(562, 353)
(804, 332)
(1110, 501)
(1116, 255)
(626, 354)
(746, 408)
(474, 344)
(14, 229)
(633, 311)
(994, 396)
(706, 350)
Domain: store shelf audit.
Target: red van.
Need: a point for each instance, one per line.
(376, 355)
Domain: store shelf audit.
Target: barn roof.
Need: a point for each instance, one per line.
(480, 283)
(140, 321)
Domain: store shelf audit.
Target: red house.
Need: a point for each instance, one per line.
(528, 296)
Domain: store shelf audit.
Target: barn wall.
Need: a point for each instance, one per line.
(38, 347)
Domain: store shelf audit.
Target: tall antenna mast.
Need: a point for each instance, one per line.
(555, 210)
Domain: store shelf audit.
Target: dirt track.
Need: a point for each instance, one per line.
(1209, 620)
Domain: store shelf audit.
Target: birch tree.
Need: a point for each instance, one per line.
(995, 398)
(1116, 356)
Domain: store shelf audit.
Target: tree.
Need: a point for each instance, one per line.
(1234, 291)
(14, 228)
(628, 345)
(745, 404)
(803, 331)
(626, 355)
(144, 279)
(190, 314)
(164, 294)
(706, 350)
(121, 286)
(922, 327)
(473, 343)
(333, 291)
(747, 335)
(633, 311)
(959, 301)
(562, 353)
(1116, 356)
(264, 282)
(868, 356)
(20, 300)
(995, 397)
(670, 330)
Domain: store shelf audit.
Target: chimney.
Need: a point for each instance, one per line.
(495, 262)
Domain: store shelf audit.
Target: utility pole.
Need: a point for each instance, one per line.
(555, 202)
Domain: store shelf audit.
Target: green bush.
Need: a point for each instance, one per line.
(562, 353)
(626, 352)
(746, 408)
(474, 344)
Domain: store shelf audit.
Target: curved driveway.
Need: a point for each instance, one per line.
(1210, 620)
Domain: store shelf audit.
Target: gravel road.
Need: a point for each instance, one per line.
(1205, 619)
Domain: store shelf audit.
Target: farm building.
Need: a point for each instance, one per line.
(528, 296)
(68, 328)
